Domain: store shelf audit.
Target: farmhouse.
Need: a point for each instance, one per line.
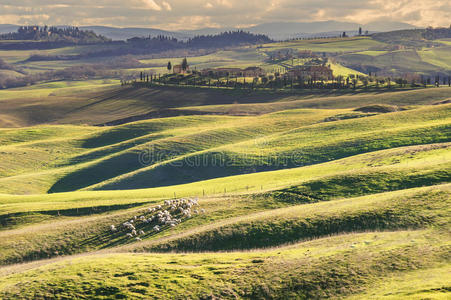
(254, 72)
(306, 54)
(315, 72)
(177, 69)
(223, 72)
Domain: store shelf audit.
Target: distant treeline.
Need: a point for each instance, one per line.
(39, 38)
(437, 33)
(225, 39)
(72, 35)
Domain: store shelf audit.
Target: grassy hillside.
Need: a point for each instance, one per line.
(294, 271)
(302, 195)
(117, 155)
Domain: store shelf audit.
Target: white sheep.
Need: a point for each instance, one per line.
(138, 239)
(129, 235)
(156, 228)
(113, 228)
(202, 210)
(134, 232)
(141, 232)
(128, 225)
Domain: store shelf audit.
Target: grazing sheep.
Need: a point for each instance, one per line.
(172, 225)
(202, 210)
(128, 225)
(141, 232)
(134, 232)
(129, 235)
(156, 228)
(138, 239)
(113, 228)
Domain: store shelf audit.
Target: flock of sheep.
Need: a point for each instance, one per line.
(170, 214)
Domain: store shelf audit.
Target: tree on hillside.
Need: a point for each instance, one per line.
(360, 31)
(184, 64)
(344, 34)
(169, 66)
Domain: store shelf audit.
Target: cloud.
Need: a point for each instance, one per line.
(150, 4)
(167, 14)
(166, 6)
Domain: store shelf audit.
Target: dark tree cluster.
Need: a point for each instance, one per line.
(437, 33)
(226, 39)
(158, 43)
(54, 34)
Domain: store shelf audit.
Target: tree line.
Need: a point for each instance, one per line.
(54, 34)
(225, 39)
(279, 81)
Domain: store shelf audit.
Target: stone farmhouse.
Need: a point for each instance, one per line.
(177, 69)
(314, 72)
(234, 72)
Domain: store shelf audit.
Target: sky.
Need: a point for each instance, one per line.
(195, 14)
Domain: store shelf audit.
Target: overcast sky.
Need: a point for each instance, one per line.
(193, 14)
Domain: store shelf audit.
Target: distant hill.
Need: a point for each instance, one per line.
(116, 33)
(7, 28)
(288, 30)
(413, 37)
(275, 30)
(384, 26)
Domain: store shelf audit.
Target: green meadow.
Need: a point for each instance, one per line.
(307, 194)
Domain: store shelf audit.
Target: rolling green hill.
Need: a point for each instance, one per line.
(301, 195)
